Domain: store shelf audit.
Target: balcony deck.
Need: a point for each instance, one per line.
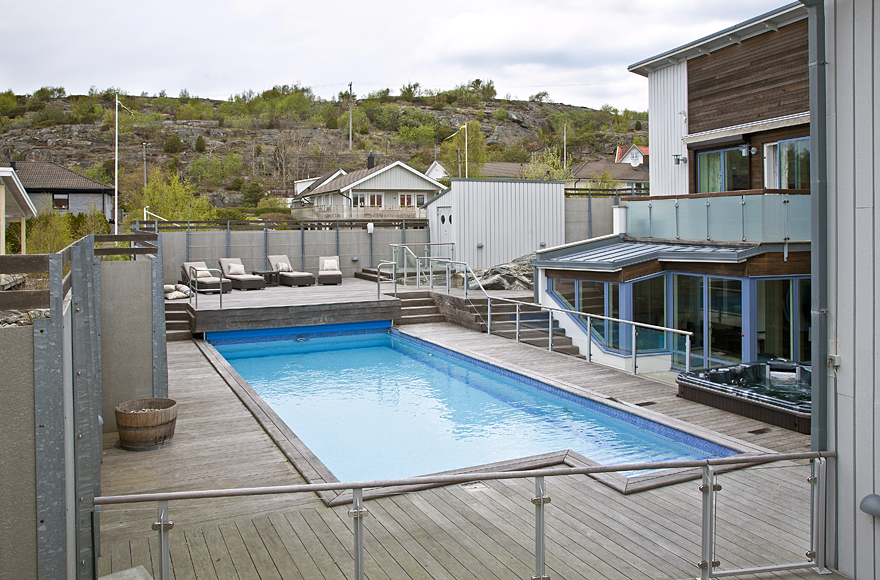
(479, 530)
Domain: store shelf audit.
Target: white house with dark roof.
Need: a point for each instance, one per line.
(63, 189)
(391, 186)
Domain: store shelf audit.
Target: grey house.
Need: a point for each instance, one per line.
(67, 191)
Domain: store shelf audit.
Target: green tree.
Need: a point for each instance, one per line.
(172, 198)
(48, 232)
(540, 97)
(200, 144)
(173, 144)
(603, 180)
(421, 135)
(410, 91)
(252, 194)
(548, 165)
(213, 171)
(361, 122)
(476, 156)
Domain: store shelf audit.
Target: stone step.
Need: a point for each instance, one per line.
(407, 310)
(419, 319)
(173, 335)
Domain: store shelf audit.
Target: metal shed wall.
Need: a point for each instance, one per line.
(667, 99)
(853, 151)
(511, 218)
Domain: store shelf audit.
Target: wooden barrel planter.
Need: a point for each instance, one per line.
(146, 424)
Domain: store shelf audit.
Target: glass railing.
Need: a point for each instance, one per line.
(745, 216)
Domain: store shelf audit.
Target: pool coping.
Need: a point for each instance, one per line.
(313, 469)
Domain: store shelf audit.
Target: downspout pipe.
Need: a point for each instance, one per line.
(819, 224)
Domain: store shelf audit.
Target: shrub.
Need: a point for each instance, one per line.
(500, 114)
(173, 144)
(200, 144)
(230, 213)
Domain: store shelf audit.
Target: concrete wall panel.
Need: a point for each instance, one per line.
(18, 503)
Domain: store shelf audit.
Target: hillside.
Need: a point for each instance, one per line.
(286, 133)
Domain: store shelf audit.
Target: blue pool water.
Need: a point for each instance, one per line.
(382, 405)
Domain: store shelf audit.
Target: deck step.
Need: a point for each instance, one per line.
(419, 319)
(173, 335)
(177, 321)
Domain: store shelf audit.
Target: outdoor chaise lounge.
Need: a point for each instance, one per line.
(205, 280)
(286, 275)
(328, 270)
(234, 270)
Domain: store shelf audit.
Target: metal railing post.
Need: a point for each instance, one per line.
(550, 330)
(447, 278)
(517, 322)
(163, 526)
(489, 316)
(708, 489)
(466, 281)
(817, 519)
(394, 277)
(589, 339)
(540, 500)
(358, 513)
(687, 353)
(635, 335)
(430, 274)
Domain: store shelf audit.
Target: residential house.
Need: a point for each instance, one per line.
(711, 251)
(377, 190)
(597, 175)
(436, 171)
(635, 155)
(64, 189)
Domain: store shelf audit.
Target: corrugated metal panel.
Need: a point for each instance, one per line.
(616, 256)
(853, 153)
(667, 99)
(510, 219)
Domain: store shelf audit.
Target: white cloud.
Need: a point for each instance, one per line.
(578, 51)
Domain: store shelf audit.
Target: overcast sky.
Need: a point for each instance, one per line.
(576, 50)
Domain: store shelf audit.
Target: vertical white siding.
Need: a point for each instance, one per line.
(667, 98)
(853, 153)
(510, 218)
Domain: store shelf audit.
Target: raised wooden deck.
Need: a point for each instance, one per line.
(479, 530)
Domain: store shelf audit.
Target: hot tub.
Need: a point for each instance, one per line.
(776, 392)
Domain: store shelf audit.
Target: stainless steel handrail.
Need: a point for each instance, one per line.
(379, 276)
(686, 333)
(193, 282)
(708, 489)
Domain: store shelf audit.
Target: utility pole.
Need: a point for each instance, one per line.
(145, 166)
(565, 146)
(350, 118)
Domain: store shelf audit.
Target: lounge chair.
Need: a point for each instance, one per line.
(328, 270)
(205, 280)
(286, 275)
(234, 270)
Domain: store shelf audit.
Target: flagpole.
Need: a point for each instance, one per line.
(465, 151)
(116, 173)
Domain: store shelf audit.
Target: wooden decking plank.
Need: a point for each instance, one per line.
(238, 553)
(203, 565)
(414, 540)
(446, 539)
(320, 555)
(220, 558)
(141, 555)
(120, 555)
(492, 554)
(300, 556)
(284, 564)
(511, 531)
(181, 559)
(260, 556)
(340, 524)
(105, 562)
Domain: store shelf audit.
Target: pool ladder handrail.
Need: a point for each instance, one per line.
(193, 275)
(551, 309)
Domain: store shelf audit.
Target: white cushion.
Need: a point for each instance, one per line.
(284, 267)
(168, 288)
(175, 295)
(203, 274)
(331, 265)
(183, 288)
(236, 270)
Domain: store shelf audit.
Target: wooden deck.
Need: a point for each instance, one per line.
(480, 530)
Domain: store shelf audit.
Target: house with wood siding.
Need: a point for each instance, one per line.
(721, 248)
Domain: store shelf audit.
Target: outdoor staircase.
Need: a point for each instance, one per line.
(417, 307)
(533, 323)
(372, 275)
(177, 319)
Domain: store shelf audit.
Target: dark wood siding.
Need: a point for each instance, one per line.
(765, 77)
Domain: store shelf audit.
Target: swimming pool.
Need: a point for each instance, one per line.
(380, 404)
